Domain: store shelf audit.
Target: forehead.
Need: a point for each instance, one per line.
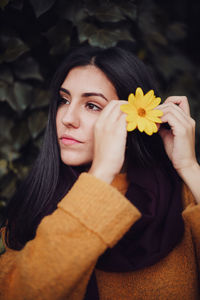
(88, 79)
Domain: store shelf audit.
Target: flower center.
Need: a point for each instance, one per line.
(141, 112)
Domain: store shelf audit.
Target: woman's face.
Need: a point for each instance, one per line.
(83, 95)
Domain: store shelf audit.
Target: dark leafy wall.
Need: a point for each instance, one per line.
(34, 37)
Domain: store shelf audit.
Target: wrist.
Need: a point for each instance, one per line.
(101, 174)
(186, 172)
(191, 177)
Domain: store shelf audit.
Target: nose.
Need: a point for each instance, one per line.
(71, 117)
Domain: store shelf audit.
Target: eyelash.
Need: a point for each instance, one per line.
(88, 104)
(97, 108)
(62, 100)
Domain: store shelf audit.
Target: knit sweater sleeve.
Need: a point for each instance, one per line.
(90, 218)
(191, 215)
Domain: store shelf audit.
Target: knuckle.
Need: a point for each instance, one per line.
(170, 105)
(113, 102)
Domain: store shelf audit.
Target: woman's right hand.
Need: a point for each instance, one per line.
(109, 142)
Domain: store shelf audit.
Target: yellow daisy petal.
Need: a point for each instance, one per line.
(154, 115)
(156, 112)
(155, 128)
(148, 97)
(139, 92)
(141, 112)
(131, 117)
(138, 98)
(148, 129)
(131, 98)
(154, 119)
(151, 127)
(155, 102)
(131, 126)
(127, 108)
(141, 123)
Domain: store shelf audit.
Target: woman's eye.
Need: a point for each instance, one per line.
(94, 107)
(62, 100)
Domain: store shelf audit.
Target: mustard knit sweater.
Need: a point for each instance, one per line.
(93, 216)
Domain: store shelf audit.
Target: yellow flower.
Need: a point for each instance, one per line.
(141, 113)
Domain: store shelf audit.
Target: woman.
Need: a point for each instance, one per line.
(104, 214)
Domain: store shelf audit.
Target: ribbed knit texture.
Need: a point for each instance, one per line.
(174, 277)
(97, 213)
(58, 262)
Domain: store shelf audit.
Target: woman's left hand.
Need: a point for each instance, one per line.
(179, 141)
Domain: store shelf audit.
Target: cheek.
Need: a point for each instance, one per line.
(89, 129)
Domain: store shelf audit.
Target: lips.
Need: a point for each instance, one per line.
(69, 140)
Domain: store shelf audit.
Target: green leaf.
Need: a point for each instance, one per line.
(23, 95)
(85, 30)
(147, 17)
(72, 11)
(5, 135)
(17, 4)
(176, 31)
(37, 122)
(38, 141)
(3, 167)
(14, 48)
(108, 38)
(9, 187)
(109, 14)
(22, 170)
(27, 68)
(41, 98)
(129, 9)
(169, 66)
(157, 37)
(102, 37)
(61, 47)
(3, 3)
(59, 37)
(41, 6)
(7, 94)
(20, 135)
(92, 5)
(8, 152)
(4, 91)
(6, 74)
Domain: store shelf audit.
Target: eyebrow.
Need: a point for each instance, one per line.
(85, 94)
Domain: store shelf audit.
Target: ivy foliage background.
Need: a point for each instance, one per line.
(34, 37)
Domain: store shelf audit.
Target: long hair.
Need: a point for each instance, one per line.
(49, 179)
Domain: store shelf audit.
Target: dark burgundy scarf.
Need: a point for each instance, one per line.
(157, 194)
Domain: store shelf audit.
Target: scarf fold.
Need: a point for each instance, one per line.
(157, 194)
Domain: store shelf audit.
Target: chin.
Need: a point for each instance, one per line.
(75, 161)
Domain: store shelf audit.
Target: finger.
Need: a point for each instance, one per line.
(107, 110)
(176, 110)
(122, 122)
(110, 113)
(123, 102)
(178, 126)
(115, 114)
(173, 108)
(181, 101)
